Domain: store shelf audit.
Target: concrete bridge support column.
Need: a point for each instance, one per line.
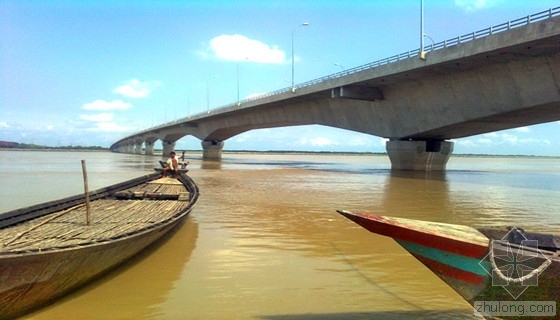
(129, 148)
(419, 155)
(138, 148)
(150, 148)
(168, 147)
(120, 149)
(212, 150)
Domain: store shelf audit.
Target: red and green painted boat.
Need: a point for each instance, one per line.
(506, 264)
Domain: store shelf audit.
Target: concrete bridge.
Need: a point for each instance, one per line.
(502, 77)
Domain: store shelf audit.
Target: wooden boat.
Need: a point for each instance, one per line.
(48, 250)
(480, 264)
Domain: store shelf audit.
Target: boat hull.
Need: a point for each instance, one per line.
(33, 281)
(29, 281)
(461, 256)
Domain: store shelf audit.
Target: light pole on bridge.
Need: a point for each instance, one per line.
(422, 34)
(238, 102)
(422, 53)
(208, 93)
(305, 24)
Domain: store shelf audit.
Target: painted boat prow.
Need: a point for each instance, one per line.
(458, 239)
(464, 258)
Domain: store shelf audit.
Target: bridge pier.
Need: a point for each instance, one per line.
(119, 149)
(212, 150)
(138, 147)
(129, 148)
(419, 155)
(168, 147)
(150, 148)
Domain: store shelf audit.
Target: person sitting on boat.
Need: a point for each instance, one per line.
(172, 164)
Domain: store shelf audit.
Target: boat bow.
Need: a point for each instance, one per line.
(472, 263)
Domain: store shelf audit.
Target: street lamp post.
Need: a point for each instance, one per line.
(208, 94)
(238, 99)
(305, 24)
(238, 102)
(422, 53)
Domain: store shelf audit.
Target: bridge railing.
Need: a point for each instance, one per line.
(430, 47)
(412, 53)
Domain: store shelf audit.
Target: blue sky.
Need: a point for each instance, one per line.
(91, 72)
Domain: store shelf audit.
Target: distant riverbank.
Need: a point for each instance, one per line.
(10, 145)
(15, 146)
(55, 149)
(334, 153)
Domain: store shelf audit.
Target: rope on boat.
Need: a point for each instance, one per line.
(531, 274)
(42, 223)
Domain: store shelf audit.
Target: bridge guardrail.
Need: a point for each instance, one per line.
(547, 14)
(431, 47)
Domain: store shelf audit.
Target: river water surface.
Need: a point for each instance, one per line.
(265, 241)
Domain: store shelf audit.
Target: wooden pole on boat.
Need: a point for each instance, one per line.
(86, 191)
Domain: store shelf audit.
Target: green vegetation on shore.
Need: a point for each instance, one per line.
(7, 145)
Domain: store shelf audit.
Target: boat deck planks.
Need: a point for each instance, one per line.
(110, 217)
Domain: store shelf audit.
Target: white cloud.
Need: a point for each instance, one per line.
(240, 48)
(240, 140)
(323, 142)
(356, 141)
(499, 140)
(50, 127)
(100, 117)
(509, 138)
(107, 105)
(136, 89)
(474, 5)
(465, 142)
(111, 127)
(484, 141)
(523, 129)
(103, 122)
(526, 141)
(4, 124)
(317, 142)
(492, 135)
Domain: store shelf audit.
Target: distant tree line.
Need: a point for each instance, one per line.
(16, 145)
